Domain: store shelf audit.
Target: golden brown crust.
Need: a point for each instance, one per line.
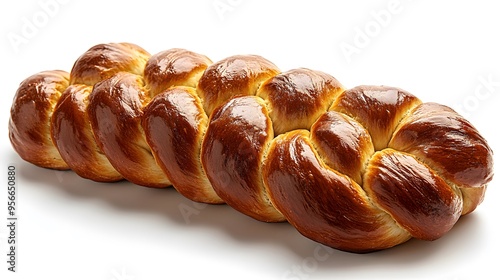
(321, 203)
(215, 140)
(343, 144)
(115, 112)
(472, 197)
(412, 193)
(232, 153)
(104, 60)
(73, 137)
(446, 141)
(174, 124)
(29, 123)
(298, 97)
(174, 67)
(378, 108)
(233, 76)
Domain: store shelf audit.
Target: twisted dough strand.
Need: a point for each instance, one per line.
(360, 169)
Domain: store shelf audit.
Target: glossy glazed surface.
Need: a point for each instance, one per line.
(232, 76)
(415, 196)
(72, 135)
(29, 123)
(298, 97)
(323, 204)
(292, 146)
(343, 144)
(378, 108)
(172, 68)
(104, 60)
(232, 153)
(447, 142)
(115, 112)
(174, 123)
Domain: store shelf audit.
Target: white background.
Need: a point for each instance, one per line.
(71, 228)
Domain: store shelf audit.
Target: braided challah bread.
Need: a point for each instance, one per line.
(358, 169)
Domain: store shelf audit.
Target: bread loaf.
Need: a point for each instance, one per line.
(358, 169)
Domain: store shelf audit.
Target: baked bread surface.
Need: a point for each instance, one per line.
(357, 169)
